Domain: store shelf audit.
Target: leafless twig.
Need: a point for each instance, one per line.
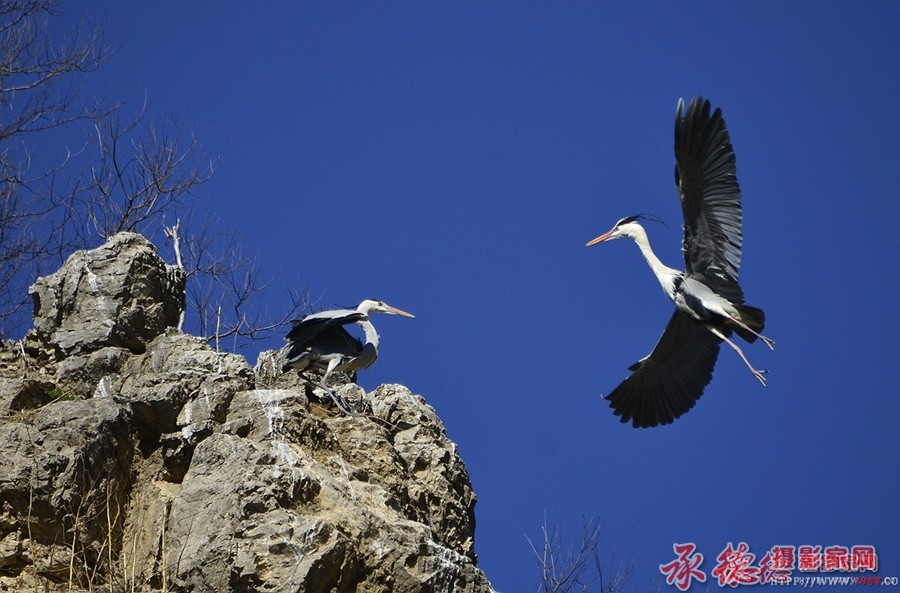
(576, 569)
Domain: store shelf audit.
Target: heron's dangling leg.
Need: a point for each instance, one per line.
(342, 406)
(332, 364)
(756, 373)
(769, 341)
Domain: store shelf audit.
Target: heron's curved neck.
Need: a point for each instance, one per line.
(664, 273)
(371, 334)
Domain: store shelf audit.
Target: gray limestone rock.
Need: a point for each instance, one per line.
(120, 294)
(326, 502)
(61, 471)
(135, 457)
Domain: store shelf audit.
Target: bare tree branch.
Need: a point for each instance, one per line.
(225, 289)
(140, 175)
(577, 569)
(126, 174)
(39, 75)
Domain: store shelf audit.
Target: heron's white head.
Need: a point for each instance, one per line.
(373, 306)
(627, 227)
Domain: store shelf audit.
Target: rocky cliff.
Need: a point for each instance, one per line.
(134, 457)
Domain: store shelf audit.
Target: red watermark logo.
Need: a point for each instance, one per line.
(681, 571)
(737, 565)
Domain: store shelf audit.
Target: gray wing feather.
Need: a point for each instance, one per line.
(668, 382)
(322, 334)
(705, 173)
(308, 328)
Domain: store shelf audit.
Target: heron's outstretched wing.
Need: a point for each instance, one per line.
(669, 381)
(334, 340)
(326, 331)
(710, 198)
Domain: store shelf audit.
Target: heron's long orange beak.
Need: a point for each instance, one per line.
(600, 239)
(397, 311)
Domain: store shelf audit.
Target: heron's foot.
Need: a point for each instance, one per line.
(341, 404)
(339, 401)
(760, 375)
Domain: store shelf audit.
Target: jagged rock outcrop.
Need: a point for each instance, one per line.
(120, 294)
(134, 457)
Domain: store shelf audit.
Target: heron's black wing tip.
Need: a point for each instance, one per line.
(669, 382)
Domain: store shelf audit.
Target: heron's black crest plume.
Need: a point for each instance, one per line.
(643, 216)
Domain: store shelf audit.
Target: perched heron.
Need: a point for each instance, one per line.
(709, 302)
(320, 341)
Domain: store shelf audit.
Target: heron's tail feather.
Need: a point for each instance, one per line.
(753, 318)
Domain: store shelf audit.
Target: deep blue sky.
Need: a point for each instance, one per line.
(453, 159)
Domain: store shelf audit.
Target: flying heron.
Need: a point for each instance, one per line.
(709, 302)
(320, 341)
